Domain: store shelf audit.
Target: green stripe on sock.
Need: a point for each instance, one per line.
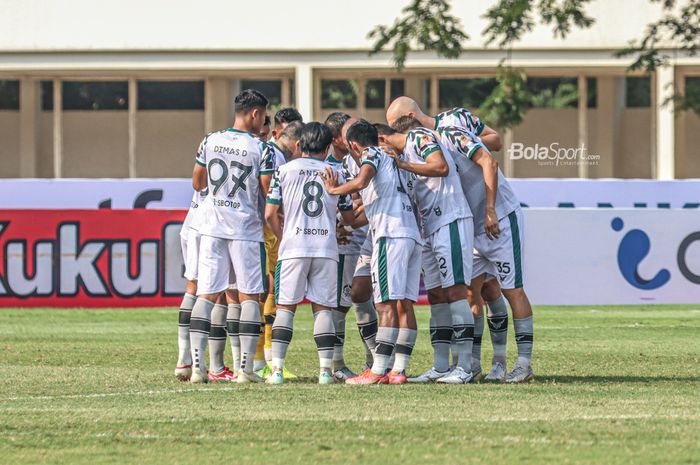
(339, 287)
(456, 246)
(383, 277)
(515, 236)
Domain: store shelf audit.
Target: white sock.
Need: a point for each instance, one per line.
(184, 356)
(324, 335)
(282, 332)
(200, 324)
(233, 319)
(405, 341)
(249, 332)
(217, 338)
(339, 339)
(386, 340)
(463, 325)
(441, 335)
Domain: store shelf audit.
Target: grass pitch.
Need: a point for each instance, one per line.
(614, 385)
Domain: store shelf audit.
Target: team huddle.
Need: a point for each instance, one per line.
(351, 213)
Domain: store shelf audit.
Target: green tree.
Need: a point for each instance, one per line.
(429, 25)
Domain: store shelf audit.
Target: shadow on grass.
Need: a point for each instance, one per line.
(571, 379)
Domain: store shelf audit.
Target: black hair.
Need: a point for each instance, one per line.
(287, 115)
(267, 120)
(363, 133)
(405, 124)
(315, 138)
(248, 99)
(384, 129)
(292, 131)
(336, 121)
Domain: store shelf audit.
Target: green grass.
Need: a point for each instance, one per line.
(614, 385)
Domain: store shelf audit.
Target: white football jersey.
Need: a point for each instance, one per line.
(388, 208)
(193, 212)
(460, 117)
(235, 160)
(309, 211)
(358, 236)
(440, 199)
(462, 144)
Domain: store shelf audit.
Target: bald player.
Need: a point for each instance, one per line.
(482, 285)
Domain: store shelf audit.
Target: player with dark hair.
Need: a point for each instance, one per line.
(396, 251)
(236, 167)
(308, 248)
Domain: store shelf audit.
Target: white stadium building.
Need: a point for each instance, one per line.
(128, 88)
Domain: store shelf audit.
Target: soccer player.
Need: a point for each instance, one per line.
(285, 143)
(482, 286)
(308, 256)
(498, 248)
(396, 252)
(448, 231)
(349, 244)
(283, 118)
(189, 243)
(235, 166)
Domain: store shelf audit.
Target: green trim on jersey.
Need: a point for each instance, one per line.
(273, 201)
(331, 159)
(266, 172)
(429, 152)
(515, 237)
(456, 250)
(367, 162)
(480, 128)
(239, 131)
(474, 149)
(263, 267)
(196, 160)
(437, 121)
(277, 281)
(382, 271)
(339, 287)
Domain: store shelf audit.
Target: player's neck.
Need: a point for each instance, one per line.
(242, 125)
(426, 121)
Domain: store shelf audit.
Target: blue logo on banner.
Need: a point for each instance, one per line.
(634, 246)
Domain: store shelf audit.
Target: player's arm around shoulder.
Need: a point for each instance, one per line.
(426, 145)
(333, 180)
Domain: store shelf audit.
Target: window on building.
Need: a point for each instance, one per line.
(638, 92)
(397, 88)
(272, 89)
(554, 92)
(467, 93)
(9, 95)
(46, 89)
(338, 94)
(592, 91)
(95, 95)
(170, 95)
(375, 93)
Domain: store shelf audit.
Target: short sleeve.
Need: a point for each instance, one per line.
(465, 142)
(274, 195)
(267, 159)
(425, 143)
(370, 158)
(201, 156)
(470, 121)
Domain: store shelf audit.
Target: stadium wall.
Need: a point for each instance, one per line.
(115, 243)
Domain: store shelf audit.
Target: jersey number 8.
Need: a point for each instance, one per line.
(313, 193)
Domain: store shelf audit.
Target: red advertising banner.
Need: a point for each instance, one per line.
(91, 258)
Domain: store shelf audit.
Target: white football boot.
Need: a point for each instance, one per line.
(497, 374)
(520, 374)
(429, 376)
(457, 376)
